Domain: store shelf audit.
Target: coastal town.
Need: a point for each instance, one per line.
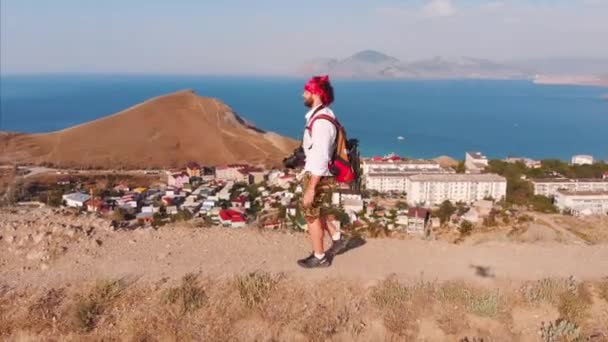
(398, 195)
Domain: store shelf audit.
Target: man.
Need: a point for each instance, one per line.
(317, 181)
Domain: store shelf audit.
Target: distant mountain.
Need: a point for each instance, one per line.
(374, 64)
(166, 131)
(364, 64)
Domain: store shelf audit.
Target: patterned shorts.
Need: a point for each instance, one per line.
(321, 205)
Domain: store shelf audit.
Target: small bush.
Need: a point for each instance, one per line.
(560, 330)
(89, 307)
(546, 290)
(390, 293)
(187, 297)
(603, 289)
(395, 302)
(573, 305)
(254, 288)
(480, 302)
(465, 228)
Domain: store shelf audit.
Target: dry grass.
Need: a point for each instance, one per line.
(255, 288)
(89, 307)
(547, 290)
(187, 297)
(592, 229)
(46, 311)
(451, 320)
(402, 305)
(480, 302)
(271, 307)
(602, 287)
(574, 305)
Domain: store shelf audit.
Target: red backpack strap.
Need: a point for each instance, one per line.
(323, 117)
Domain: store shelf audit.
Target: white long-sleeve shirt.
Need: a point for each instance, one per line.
(320, 146)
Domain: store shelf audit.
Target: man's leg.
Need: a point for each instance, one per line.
(312, 214)
(338, 242)
(329, 226)
(318, 258)
(315, 231)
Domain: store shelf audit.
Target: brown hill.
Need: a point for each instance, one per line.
(166, 131)
(446, 161)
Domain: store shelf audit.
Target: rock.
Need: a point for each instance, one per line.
(24, 240)
(38, 238)
(70, 232)
(11, 239)
(37, 255)
(132, 242)
(98, 242)
(44, 267)
(162, 256)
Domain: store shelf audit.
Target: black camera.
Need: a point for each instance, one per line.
(296, 159)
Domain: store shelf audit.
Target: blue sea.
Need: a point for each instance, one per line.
(498, 118)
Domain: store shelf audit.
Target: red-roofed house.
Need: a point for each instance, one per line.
(417, 219)
(193, 169)
(232, 218)
(243, 175)
(239, 202)
(95, 205)
(178, 179)
(605, 176)
(167, 201)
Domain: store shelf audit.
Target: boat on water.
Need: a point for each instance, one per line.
(400, 138)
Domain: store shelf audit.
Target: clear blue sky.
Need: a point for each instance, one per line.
(273, 36)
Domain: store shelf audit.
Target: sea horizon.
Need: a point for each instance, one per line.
(499, 118)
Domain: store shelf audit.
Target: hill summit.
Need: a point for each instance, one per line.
(166, 131)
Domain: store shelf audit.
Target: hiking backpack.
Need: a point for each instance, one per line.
(344, 164)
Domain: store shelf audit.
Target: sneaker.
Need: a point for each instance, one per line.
(337, 246)
(313, 262)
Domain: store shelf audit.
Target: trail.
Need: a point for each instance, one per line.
(223, 252)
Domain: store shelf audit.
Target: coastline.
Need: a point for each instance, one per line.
(592, 81)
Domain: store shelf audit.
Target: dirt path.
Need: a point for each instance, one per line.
(223, 252)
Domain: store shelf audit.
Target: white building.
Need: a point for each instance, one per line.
(237, 173)
(377, 165)
(582, 202)
(392, 176)
(224, 194)
(352, 205)
(177, 180)
(339, 195)
(75, 199)
(475, 162)
(582, 159)
(435, 189)
(530, 163)
(549, 187)
(385, 182)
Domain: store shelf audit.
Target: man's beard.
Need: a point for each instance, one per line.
(308, 102)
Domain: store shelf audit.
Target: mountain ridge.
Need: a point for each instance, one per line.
(372, 64)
